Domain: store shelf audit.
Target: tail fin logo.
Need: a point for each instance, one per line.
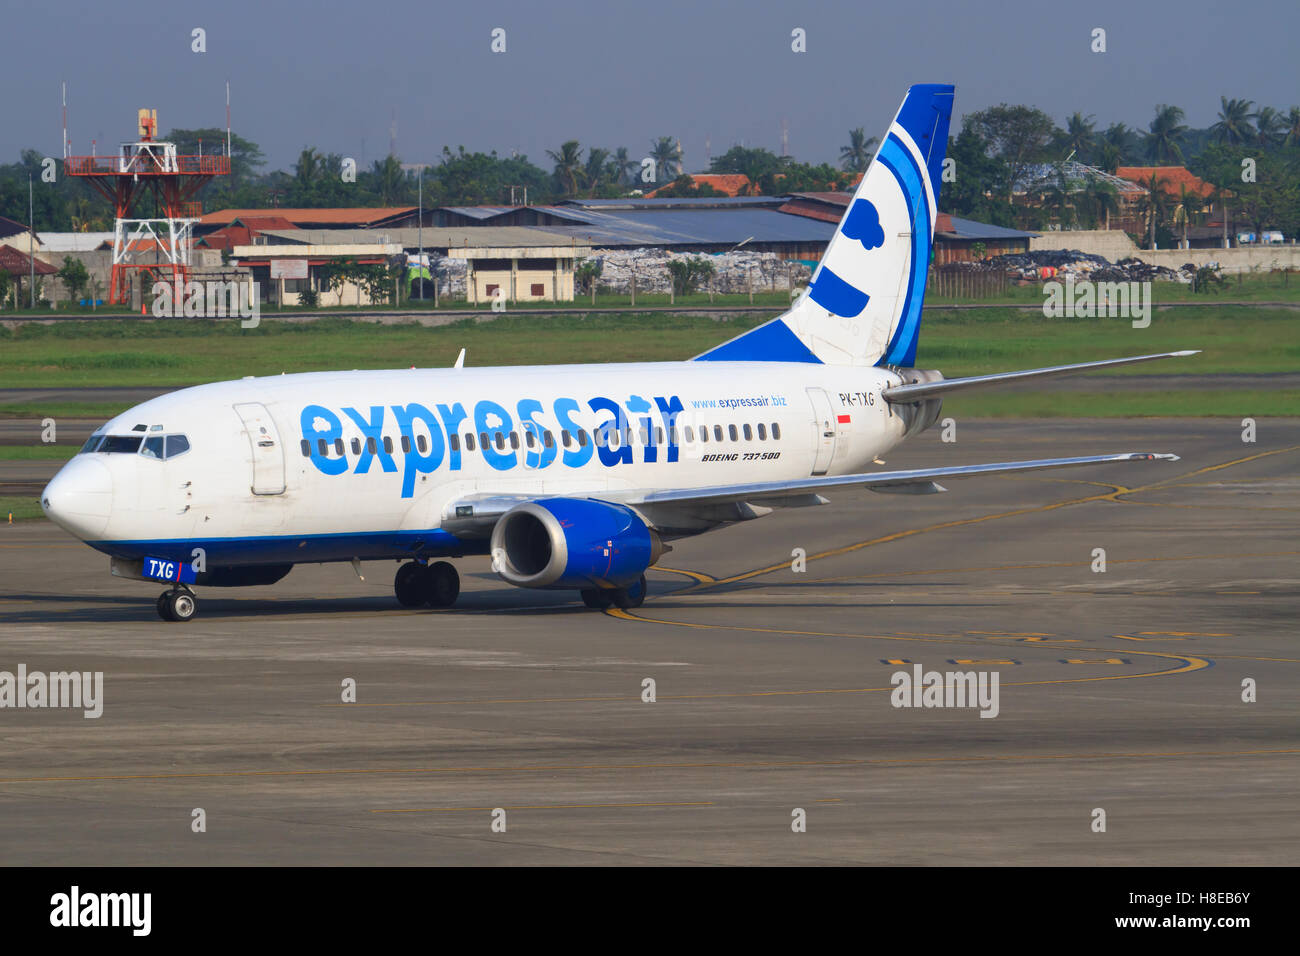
(863, 224)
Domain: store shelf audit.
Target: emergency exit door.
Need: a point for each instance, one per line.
(823, 430)
(264, 441)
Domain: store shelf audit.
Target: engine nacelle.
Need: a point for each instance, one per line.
(572, 543)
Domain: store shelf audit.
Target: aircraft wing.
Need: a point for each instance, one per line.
(474, 515)
(923, 479)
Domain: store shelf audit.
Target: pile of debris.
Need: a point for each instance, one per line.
(1063, 263)
(736, 272)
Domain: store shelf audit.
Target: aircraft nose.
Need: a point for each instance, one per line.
(80, 497)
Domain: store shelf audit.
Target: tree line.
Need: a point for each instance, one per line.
(992, 154)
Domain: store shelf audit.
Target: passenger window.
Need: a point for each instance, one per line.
(322, 447)
(338, 447)
(749, 433)
(672, 435)
(731, 431)
(469, 441)
(529, 440)
(422, 443)
(582, 439)
(453, 440)
(602, 437)
(153, 447)
(717, 433)
(548, 439)
(501, 441)
(645, 436)
(690, 434)
(704, 434)
(762, 432)
(356, 446)
(776, 432)
(388, 444)
(659, 435)
(566, 438)
(406, 444)
(306, 448)
(371, 446)
(484, 441)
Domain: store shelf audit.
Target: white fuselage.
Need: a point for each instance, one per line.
(282, 468)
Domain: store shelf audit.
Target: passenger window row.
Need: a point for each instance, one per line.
(605, 436)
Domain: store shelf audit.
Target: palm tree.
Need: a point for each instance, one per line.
(1121, 139)
(1153, 204)
(623, 167)
(1293, 126)
(390, 179)
(1080, 136)
(1100, 199)
(1270, 127)
(1189, 205)
(1234, 121)
(857, 156)
(568, 166)
(668, 159)
(309, 167)
(596, 170)
(1166, 132)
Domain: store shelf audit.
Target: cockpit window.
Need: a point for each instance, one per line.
(177, 445)
(153, 447)
(121, 444)
(91, 444)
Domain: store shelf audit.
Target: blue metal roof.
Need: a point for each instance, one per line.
(667, 201)
(696, 227)
(970, 229)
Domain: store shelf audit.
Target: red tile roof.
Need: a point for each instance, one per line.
(19, 263)
(1173, 176)
(729, 184)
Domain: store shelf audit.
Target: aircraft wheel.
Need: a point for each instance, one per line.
(180, 605)
(162, 607)
(630, 597)
(443, 584)
(595, 598)
(411, 584)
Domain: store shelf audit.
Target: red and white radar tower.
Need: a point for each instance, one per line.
(158, 248)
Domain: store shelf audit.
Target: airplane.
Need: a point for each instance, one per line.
(572, 477)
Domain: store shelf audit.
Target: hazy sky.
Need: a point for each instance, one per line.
(330, 73)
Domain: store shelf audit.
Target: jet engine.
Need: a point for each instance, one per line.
(573, 543)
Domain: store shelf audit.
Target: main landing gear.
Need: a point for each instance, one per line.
(417, 584)
(622, 598)
(178, 604)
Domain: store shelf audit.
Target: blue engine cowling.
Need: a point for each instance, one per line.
(572, 543)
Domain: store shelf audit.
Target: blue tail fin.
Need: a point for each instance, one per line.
(863, 306)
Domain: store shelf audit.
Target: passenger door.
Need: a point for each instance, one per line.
(823, 430)
(264, 441)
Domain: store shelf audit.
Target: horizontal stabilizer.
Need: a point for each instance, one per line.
(923, 390)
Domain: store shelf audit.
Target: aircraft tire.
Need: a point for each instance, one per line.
(442, 584)
(180, 606)
(596, 598)
(411, 584)
(162, 607)
(630, 597)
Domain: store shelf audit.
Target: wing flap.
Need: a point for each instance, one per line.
(891, 481)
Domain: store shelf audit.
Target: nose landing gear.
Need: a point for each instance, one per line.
(416, 584)
(178, 604)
